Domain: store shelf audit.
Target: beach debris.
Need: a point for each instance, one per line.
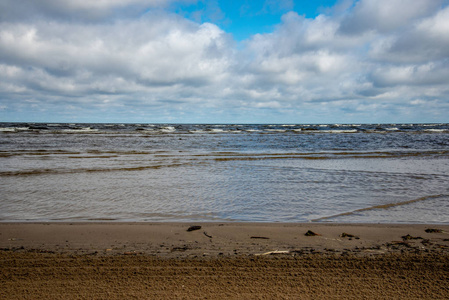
(426, 242)
(350, 236)
(273, 252)
(433, 230)
(409, 237)
(311, 233)
(195, 227)
(397, 244)
(182, 248)
(260, 237)
(205, 233)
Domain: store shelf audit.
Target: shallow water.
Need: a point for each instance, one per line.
(368, 173)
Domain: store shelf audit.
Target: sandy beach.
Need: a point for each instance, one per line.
(223, 260)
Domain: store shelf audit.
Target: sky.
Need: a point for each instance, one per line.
(220, 61)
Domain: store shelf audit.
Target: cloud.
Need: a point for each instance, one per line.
(76, 10)
(155, 50)
(134, 59)
(427, 39)
(385, 15)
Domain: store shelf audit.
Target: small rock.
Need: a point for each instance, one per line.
(409, 237)
(433, 230)
(195, 227)
(182, 248)
(344, 234)
(311, 233)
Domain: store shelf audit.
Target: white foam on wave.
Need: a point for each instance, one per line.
(276, 130)
(429, 125)
(14, 129)
(339, 131)
(168, 129)
(7, 129)
(197, 131)
(436, 130)
(80, 130)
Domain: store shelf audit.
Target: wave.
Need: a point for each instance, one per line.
(381, 206)
(436, 130)
(80, 128)
(340, 131)
(86, 170)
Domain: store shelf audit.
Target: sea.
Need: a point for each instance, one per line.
(328, 173)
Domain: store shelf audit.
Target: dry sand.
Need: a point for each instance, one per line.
(217, 261)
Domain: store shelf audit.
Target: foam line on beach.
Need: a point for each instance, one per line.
(382, 206)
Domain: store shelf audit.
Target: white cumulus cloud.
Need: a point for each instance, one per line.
(135, 60)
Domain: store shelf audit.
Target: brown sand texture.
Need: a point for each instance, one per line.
(223, 261)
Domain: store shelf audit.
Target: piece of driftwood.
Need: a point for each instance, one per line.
(311, 233)
(273, 252)
(195, 227)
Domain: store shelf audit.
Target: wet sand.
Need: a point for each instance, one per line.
(228, 260)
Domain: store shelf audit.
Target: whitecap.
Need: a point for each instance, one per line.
(197, 131)
(276, 130)
(339, 131)
(80, 130)
(436, 130)
(7, 129)
(168, 129)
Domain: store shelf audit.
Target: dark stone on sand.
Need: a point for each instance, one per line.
(433, 230)
(344, 234)
(260, 237)
(311, 233)
(195, 227)
(409, 237)
(182, 248)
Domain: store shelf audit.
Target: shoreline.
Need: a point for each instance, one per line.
(223, 260)
(172, 240)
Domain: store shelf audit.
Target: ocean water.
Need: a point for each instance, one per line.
(355, 173)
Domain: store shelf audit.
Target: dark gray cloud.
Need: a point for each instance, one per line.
(385, 15)
(76, 10)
